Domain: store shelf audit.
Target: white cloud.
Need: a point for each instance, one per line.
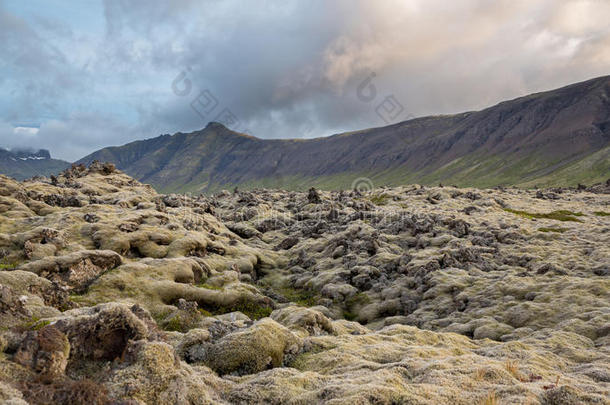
(25, 131)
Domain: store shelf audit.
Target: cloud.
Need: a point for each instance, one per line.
(280, 68)
(25, 131)
(75, 135)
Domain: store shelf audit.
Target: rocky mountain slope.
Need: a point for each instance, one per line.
(22, 165)
(113, 293)
(560, 137)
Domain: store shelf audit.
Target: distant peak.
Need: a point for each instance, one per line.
(28, 154)
(215, 125)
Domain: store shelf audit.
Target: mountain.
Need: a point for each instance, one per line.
(25, 164)
(559, 137)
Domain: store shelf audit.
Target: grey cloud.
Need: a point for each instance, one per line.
(290, 68)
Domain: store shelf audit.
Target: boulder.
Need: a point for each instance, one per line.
(305, 321)
(152, 374)
(46, 352)
(264, 345)
(313, 196)
(102, 332)
(76, 270)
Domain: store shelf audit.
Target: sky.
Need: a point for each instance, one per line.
(77, 76)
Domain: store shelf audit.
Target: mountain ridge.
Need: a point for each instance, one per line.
(23, 164)
(511, 143)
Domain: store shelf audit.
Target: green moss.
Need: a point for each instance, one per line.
(251, 309)
(353, 303)
(566, 212)
(560, 215)
(40, 325)
(300, 360)
(159, 316)
(357, 299)
(350, 316)
(380, 199)
(204, 312)
(174, 324)
(183, 321)
(304, 298)
(602, 213)
(33, 324)
(208, 286)
(557, 230)
(8, 266)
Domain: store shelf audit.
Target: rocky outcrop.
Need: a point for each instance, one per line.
(102, 332)
(76, 270)
(46, 352)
